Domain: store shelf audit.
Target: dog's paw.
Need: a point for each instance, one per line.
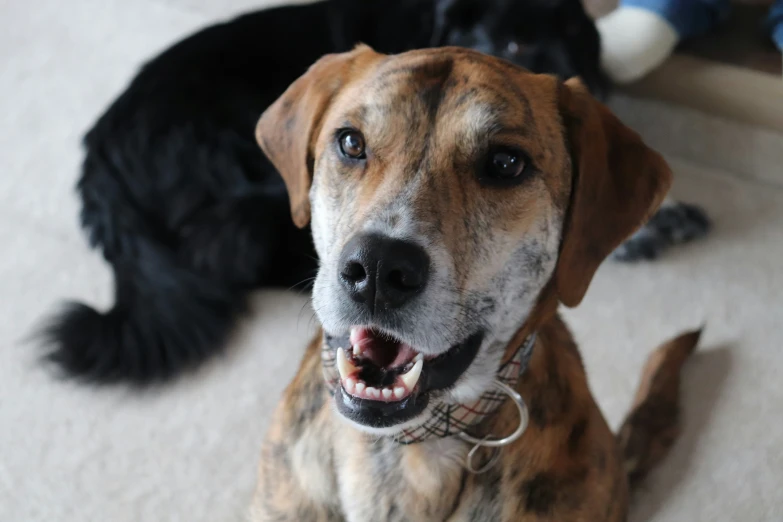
(673, 224)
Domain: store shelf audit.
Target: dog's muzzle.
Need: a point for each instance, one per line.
(380, 381)
(385, 381)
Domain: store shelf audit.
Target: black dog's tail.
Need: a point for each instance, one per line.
(165, 320)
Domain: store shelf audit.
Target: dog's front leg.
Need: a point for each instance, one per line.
(296, 478)
(294, 485)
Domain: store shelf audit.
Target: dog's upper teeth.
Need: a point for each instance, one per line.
(344, 366)
(412, 376)
(419, 357)
(353, 336)
(357, 351)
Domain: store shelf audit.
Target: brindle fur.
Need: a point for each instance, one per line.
(566, 467)
(510, 256)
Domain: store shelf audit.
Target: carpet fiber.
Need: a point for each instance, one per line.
(189, 451)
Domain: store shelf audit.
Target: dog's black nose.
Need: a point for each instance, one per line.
(381, 272)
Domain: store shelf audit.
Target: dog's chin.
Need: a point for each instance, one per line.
(387, 385)
(365, 422)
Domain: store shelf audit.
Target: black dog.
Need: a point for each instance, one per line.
(188, 211)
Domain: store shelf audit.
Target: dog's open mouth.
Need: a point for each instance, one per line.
(385, 382)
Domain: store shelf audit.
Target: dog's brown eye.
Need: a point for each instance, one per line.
(352, 144)
(506, 164)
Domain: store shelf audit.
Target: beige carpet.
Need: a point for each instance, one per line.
(188, 452)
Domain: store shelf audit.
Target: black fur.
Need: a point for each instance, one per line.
(187, 210)
(556, 37)
(673, 224)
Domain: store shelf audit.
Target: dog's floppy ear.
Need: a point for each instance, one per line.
(288, 129)
(617, 183)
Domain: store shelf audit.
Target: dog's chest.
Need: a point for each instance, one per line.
(387, 482)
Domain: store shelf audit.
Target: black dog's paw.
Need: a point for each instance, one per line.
(672, 225)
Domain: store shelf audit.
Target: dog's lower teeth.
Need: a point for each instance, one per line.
(359, 389)
(356, 350)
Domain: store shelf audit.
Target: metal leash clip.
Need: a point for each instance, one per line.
(496, 444)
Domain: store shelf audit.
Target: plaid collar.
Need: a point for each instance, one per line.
(450, 419)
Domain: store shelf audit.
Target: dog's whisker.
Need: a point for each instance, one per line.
(302, 282)
(301, 310)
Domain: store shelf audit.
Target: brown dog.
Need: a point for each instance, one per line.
(455, 199)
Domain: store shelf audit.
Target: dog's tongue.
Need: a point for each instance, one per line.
(380, 349)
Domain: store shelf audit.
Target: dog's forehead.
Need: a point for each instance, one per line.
(464, 92)
(427, 65)
(436, 113)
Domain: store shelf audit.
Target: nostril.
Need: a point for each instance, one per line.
(405, 280)
(354, 272)
(400, 280)
(395, 279)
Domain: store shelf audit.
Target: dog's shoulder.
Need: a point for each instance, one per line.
(566, 466)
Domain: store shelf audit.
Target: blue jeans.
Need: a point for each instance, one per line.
(688, 17)
(694, 17)
(775, 23)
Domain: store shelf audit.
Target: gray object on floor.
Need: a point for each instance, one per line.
(675, 223)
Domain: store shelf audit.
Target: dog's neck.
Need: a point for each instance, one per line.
(544, 310)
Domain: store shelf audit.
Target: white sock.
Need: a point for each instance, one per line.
(634, 41)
